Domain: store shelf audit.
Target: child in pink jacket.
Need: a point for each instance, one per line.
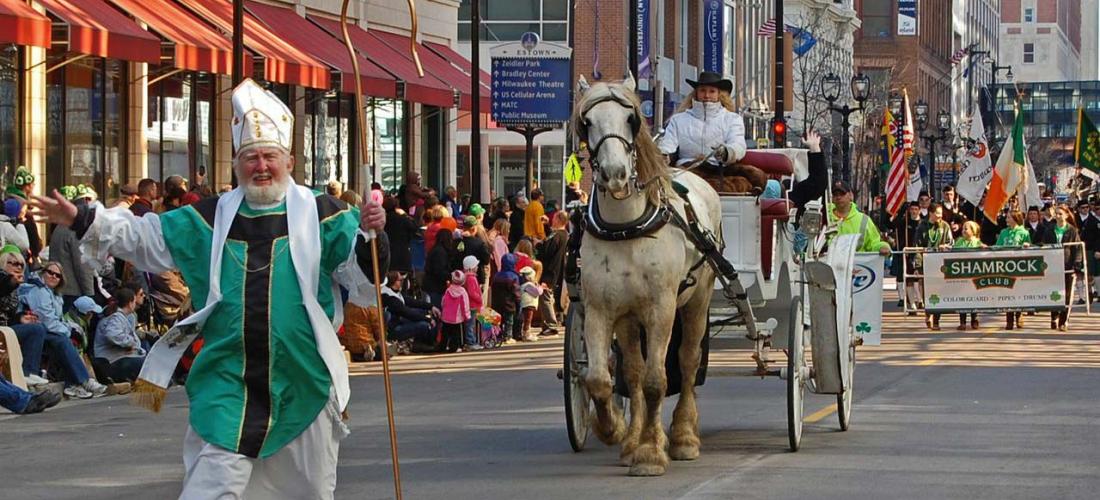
(456, 312)
(470, 265)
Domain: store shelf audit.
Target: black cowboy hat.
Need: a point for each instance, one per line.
(712, 79)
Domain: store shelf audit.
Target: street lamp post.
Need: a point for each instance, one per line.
(996, 94)
(944, 119)
(830, 89)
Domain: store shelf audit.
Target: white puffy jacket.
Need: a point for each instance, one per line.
(697, 131)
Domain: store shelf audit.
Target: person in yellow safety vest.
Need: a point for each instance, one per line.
(851, 221)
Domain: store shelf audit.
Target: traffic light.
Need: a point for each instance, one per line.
(779, 133)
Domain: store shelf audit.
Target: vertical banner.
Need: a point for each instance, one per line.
(712, 36)
(867, 281)
(907, 17)
(645, 67)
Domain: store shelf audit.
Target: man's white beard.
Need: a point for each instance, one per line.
(267, 195)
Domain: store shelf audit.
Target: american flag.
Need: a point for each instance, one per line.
(959, 55)
(768, 28)
(897, 182)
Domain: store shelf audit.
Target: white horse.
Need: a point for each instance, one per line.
(632, 284)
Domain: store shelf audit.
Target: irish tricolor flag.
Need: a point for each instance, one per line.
(1011, 173)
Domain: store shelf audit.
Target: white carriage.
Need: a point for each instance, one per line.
(771, 302)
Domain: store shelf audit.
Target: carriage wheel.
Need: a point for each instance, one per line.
(796, 382)
(844, 399)
(577, 403)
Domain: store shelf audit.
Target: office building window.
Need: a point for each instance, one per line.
(1029, 15)
(878, 19)
(507, 20)
(1029, 52)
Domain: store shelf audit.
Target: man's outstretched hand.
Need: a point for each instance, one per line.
(53, 208)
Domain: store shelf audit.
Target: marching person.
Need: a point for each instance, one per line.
(969, 239)
(1015, 235)
(905, 236)
(1061, 233)
(933, 234)
(269, 386)
(704, 122)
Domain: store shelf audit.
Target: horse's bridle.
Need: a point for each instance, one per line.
(635, 127)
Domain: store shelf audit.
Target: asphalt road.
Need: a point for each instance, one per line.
(985, 414)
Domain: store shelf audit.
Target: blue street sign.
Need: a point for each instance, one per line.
(531, 83)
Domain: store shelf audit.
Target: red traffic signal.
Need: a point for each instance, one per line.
(779, 133)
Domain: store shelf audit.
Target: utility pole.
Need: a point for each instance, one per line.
(475, 108)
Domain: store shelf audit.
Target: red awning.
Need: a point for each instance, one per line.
(97, 29)
(427, 90)
(196, 46)
(315, 41)
(22, 25)
(459, 60)
(283, 62)
(438, 67)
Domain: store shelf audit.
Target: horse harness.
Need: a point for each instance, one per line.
(654, 218)
(635, 122)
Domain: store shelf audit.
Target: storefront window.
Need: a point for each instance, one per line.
(387, 142)
(434, 141)
(85, 125)
(508, 166)
(9, 110)
(178, 126)
(327, 145)
(549, 173)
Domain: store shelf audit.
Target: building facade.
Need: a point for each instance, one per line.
(1041, 39)
(107, 92)
(975, 25)
(902, 53)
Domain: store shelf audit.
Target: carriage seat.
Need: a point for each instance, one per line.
(772, 211)
(775, 165)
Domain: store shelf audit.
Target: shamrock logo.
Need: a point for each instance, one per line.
(863, 327)
(934, 299)
(1055, 296)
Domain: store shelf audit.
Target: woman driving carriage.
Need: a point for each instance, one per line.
(705, 122)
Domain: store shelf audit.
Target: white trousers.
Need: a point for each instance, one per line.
(304, 469)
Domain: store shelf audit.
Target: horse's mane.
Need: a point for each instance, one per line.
(651, 166)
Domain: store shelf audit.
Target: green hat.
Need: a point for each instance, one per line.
(69, 192)
(469, 221)
(9, 248)
(476, 210)
(86, 191)
(22, 176)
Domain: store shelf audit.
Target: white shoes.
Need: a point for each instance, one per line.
(78, 392)
(35, 380)
(93, 386)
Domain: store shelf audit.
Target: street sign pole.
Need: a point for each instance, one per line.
(475, 108)
(530, 81)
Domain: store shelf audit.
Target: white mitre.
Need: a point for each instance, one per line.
(260, 118)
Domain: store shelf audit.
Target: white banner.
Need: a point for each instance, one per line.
(994, 280)
(867, 281)
(977, 166)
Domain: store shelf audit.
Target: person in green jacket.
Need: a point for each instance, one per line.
(970, 238)
(851, 221)
(1015, 235)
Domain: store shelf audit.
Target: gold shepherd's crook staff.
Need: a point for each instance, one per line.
(362, 120)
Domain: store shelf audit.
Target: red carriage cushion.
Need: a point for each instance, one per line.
(774, 164)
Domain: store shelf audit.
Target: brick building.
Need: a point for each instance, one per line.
(1042, 39)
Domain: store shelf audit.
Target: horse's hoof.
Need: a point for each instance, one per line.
(649, 460)
(626, 456)
(684, 452)
(610, 433)
(647, 470)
